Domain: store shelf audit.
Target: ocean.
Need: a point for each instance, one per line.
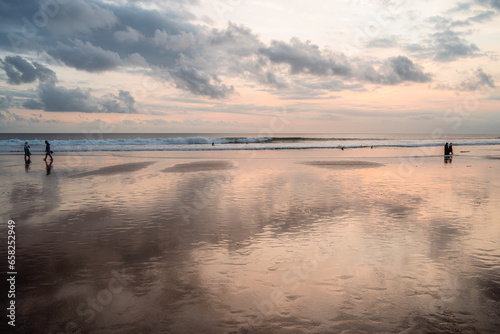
(101, 142)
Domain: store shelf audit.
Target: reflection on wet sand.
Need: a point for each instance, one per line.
(117, 169)
(343, 164)
(266, 247)
(200, 166)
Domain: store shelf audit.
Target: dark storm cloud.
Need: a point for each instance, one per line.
(85, 56)
(21, 71)
(306, 58)
(199, 83)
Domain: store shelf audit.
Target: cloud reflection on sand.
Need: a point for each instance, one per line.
(116, 169)
(343, 164)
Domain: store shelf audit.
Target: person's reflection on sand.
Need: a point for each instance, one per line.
(27, 167)
(48, 166)
(448, 159)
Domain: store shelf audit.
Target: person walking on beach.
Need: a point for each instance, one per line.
(450, 149)
(446, 149)
(27, 153)
(48, 152)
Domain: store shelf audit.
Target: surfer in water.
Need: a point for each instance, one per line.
(48, 152)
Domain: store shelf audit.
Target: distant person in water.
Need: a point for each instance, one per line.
(27, 153)
(48, 152)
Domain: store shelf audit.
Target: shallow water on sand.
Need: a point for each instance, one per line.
(258, 242)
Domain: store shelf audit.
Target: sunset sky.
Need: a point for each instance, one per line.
(241, 66)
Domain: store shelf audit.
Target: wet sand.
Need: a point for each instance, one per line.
(203, 166)
(320, 241)
(343, 164)
(116, 169)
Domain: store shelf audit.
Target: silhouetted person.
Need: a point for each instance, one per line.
(450, 149)
(48, 152)
(446, 149)
(27, 153)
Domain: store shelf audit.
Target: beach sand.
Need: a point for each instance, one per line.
(314, 241)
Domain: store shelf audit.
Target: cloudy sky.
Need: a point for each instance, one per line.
(242, 66)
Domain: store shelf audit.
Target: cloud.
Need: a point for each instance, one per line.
(445, 46)
(449, 46)
(306, 58)
(33, 104)
(460, 6)
(478, 80)
(236, 40)
(270, 79)
(175, 42)
(129, 35)
(60, 99)
(77, 17)
(123, 103)
(484, 78)
(478, 18)
(382, 42)
(85, 56)
(5, 102)
(199, 83)
(56, 98)
(21, 71)
(490, 3)
(396, 70)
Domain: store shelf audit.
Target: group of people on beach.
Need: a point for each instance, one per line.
(448, 149)
(27, 153)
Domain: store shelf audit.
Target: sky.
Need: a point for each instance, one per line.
(240, 66)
